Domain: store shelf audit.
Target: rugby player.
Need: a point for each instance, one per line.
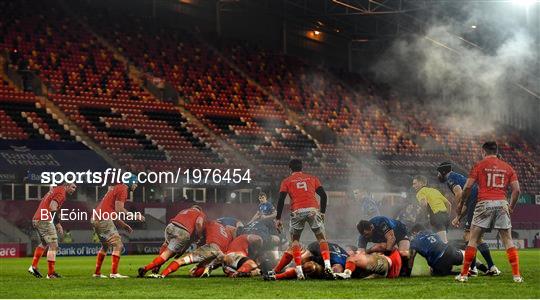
(435, 203)
(360, 264)
(386, 234)
(47, 211)
(301, 188)
(186, 227)
(312, 262)
(492, 210)
(455, 183)
(112, 202)
(238, 260)
(266, 210)
(440, 256)
(217, 240)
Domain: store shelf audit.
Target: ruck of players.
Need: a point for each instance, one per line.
(264, 247)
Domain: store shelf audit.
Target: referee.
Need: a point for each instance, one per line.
(437, 206)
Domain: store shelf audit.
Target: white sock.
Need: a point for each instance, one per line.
(299, 270)
(327, 263)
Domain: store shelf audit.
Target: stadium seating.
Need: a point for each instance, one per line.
(257, 101)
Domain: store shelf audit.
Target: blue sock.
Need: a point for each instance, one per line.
(484, 250)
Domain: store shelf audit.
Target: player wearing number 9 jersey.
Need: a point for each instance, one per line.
(492, 210)
(302, 188)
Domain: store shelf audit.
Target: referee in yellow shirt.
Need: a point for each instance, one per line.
(439, 207)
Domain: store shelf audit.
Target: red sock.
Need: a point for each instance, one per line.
(284, 261)
(158, 261)
(51, 266)
(297, 255)
(289, 273)
(513, 258)
(172, 267)
(115, 262)
(470, 253)
(325, 252)
(37, 255)
(99, 262)
(350, 265)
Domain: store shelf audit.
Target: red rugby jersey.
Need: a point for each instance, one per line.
(301, 188)
(58, 194)
(493, 177)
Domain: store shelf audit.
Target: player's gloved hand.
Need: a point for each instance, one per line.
(456, 222)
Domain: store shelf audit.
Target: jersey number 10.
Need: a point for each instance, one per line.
(492, 179)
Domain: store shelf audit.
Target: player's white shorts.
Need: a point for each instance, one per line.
(492, 214)
(177, 238)
(46, 231)
(312, 216)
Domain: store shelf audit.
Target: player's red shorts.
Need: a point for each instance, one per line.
(395, 257)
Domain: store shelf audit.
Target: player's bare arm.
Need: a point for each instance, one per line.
(390, 240)
(462, 209)
(516, 190)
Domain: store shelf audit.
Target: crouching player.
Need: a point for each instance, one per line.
(238, 261)
(113, 201)
(217, 240)
(374, 265)
(182, 230)
(386, 234)
(312, 262)
(441, 257)
(46, 221)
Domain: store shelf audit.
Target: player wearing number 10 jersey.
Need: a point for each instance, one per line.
(301, 188)
(492, 210)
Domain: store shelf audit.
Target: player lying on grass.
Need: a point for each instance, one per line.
(239, 260)
(46, 222)
(455, 183)
(302, 188)
(435, 204)
(105, 228)
(441, 257)
(266, 229)
(492, 211)
(187, 226)
(359, 264)
(217, 240)
(312, 262)
(386, 234)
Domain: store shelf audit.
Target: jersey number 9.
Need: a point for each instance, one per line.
(302, 185)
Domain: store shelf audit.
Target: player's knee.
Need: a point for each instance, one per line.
(53, 246)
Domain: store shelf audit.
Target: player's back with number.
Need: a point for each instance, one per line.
(493, 177)
(301, 188)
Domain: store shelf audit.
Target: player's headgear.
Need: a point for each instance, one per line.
(197, 207)
(444, 168)
(295, 165)
(490, 147)
(131, 181)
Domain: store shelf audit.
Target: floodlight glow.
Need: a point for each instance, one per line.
(524, 2)
(473, 26)
(316, 32)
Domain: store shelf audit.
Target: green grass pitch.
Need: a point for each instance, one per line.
(15, 282)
